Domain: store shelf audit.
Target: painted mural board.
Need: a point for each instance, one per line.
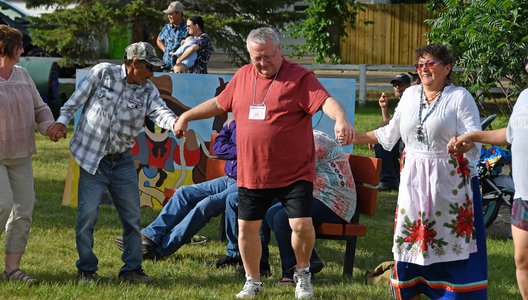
(163, 161)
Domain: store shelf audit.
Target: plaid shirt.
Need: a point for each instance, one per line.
(114, 113)
(172, 36)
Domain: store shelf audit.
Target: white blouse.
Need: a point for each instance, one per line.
(434, 217)
(21, 107)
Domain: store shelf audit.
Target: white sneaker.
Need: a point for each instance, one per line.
(303, 284)
(251, 289)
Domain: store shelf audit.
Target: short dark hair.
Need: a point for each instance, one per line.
(199, 21)
(10, 41)
(439, 51)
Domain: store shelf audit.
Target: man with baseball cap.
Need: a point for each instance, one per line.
(115, 100)
(172, 34)
(390, 166)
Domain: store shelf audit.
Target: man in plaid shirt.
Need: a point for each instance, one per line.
(116, 101)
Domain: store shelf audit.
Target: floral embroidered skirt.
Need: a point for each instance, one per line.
(459, 279)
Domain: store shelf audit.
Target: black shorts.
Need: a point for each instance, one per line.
(296, 199)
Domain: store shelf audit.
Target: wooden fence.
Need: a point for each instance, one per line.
(397, 30)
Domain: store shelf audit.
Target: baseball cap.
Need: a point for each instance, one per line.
(143, 51)
(173, 7)
(401, 78)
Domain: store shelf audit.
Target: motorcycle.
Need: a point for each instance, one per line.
(496, 183)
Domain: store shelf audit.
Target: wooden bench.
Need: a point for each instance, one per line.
(366, 172)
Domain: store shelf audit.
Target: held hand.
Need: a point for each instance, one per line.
(180, 127)
(56, 132)
(371, 147)
(459, 144)
(344, 132)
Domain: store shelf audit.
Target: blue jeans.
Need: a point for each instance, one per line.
(278, 222)
(188, 210)
(116, 174)
(231, 228)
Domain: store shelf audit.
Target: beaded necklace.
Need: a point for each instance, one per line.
(419, 128)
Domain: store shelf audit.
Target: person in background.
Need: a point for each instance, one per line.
(172, 34)
(22, 110)
(192, 206)
(334, 200)
(515, 134)
(273, 101)
(203, 46)
(390, 167)
(115, 101)
(188, 62)
(439, 242)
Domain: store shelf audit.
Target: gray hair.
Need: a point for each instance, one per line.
(262, 36)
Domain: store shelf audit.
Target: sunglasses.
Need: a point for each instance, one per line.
(149, 67)
(430, 64)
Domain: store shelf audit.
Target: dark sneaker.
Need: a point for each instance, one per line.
(87, 276)
(228, 261)
(147, 245)
(134, 276)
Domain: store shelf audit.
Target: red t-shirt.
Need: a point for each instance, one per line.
(279, 150)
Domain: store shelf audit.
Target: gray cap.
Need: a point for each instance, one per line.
(143, 51)
(174, 6)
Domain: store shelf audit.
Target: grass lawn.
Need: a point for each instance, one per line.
(51, 252)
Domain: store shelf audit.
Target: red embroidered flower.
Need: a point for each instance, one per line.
(463, 167)
(421, 232)
(464, 220)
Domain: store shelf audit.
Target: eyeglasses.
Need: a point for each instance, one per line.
(188, 26)
(430, 64)
(266, 58)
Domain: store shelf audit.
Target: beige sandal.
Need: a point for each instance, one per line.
(19, 275)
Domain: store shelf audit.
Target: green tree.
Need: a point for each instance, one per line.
(488, 38)
(73, 32)
(323, 28)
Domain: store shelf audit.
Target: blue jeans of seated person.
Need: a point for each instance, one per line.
(278, 222)
(390, 164)
(231, 228)
(117, 174)
(188, 210)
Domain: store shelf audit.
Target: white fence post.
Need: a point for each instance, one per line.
(362, 85)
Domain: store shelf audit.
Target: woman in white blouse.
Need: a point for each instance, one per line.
(439, 240)
(21, 107)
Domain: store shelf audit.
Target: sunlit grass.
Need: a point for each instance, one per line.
(51, 252)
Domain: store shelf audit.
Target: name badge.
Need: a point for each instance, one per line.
(257, 112)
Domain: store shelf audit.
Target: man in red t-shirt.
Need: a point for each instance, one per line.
(273, 100)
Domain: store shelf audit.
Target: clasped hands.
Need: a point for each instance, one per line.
(459, 144)
(56, 132)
